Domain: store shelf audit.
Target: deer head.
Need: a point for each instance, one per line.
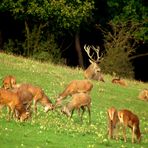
(92, 71)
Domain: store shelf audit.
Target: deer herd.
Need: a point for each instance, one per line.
(19, 99)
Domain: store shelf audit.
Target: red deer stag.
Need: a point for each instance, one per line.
(75, 86)
(9, 82)
(38, 95)
(143, 95)
(112, 121)
(79, 101)
(129, 119)
(14, 104)
(93, 71)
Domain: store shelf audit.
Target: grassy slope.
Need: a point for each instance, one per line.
(55, 130)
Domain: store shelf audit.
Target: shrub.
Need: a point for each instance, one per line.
(119, 46)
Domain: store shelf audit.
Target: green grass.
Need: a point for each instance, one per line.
(55, 130)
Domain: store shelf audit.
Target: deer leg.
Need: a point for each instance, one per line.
(35, 106)
(9, 113)
(124, 133)
(28, 106)
(83, 110)
(133, 134)
(13, 112)
(116, 131)
(79, 112)
(72, 113)
(16, 114)
(89, 113)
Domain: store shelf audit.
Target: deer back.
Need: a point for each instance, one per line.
(128, 118)
(77, 86)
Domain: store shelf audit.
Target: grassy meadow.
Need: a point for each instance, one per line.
(54, 129)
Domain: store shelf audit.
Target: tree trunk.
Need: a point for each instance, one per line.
(78, 50)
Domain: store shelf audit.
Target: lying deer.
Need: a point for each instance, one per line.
(8, 82)
(37, 94)
(75, 86)
(13, 102)
(112, 121)
(79, 100)
(129, 119)
(93, 71)
(119, 81)
(143, 95)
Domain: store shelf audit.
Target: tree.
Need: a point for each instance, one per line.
(119, 47)
(59, 16)
(133, 11)
(126, 28)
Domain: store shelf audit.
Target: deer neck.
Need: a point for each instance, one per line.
(45, 100)
(63, 95)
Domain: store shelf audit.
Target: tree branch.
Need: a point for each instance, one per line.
(137, 56)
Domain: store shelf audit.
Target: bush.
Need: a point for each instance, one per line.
(48, 51)
(13, 47)
(117, 61)
(119, 46)
(42, 51)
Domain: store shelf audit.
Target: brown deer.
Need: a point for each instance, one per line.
(112, 121)
(75, 86)
(119, 81)
(25, 96)
(129, 119)
(143, 95)
(13, 102)
(9, 82)
(36, 94)
(93, 71)
(79, 101)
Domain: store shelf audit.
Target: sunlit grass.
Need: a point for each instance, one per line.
(53, 129)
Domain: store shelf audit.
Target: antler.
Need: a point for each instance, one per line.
(97, 50)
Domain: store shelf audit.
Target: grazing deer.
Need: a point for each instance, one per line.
(127, 118)
(37, 94)
(93, 71)
(79, 101)
(112, 121)
(13, 102)
(119, 81)
(9, 82)
(143, 95)
(75, 86)
(25, 96)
